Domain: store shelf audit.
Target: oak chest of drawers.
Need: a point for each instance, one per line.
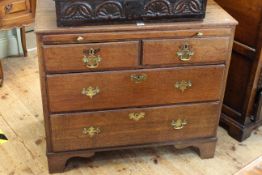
(128, 86)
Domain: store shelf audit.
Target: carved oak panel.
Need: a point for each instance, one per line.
(81, 12)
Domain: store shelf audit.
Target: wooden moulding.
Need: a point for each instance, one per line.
(16, 13)
(204, 147)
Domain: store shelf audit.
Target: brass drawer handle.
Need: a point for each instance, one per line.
(138, 78)
(91, 60)
(90, 91)
(178, 124)
(91, 131)
(183, 85)
(136, 116)
(8, 8)
(185, 52)
(199, 34)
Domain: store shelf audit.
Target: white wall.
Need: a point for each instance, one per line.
(10, 43)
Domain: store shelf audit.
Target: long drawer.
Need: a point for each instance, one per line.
(147, 87)
(133, 126)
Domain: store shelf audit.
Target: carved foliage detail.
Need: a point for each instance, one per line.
(82, 10)
(109, 10)
(187, 6)
(77, 11)
(157, 8)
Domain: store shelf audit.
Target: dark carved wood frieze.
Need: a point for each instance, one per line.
(187, 6)
(77, 10)
(80, 12)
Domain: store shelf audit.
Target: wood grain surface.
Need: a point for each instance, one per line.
(206, 50)
(254, 168)
(16, 13)
(249, 18)
(116, 128)
(68, 58)
(240, 114)
(118, 90)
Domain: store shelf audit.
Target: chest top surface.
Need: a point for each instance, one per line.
(46, 21)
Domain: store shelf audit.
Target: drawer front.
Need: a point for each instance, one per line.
(185, 51)
(13, 7)
(77, 92)
(87, 57)
(145, 125)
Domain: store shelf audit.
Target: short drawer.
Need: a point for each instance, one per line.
(13, 7)
(115, 89)
(87, 57)
(133, 126)
(185, 51)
